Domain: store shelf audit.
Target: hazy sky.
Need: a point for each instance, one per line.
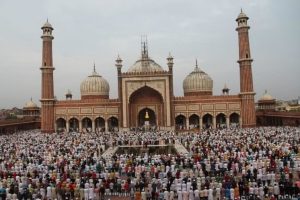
(98, 30)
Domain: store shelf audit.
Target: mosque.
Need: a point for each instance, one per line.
(145, 95)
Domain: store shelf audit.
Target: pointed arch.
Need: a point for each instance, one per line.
(146, 97)
(194, 121)
(60, 124)
(142, 87)
(234, 119)
(207, 120)
(87, 124)
(74, 124)
(221, 120)
(99, 124)
(151, 117)
(113, 123)
(180, 122)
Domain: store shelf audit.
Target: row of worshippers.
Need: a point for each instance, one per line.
(228, 163)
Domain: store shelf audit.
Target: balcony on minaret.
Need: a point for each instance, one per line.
(47, 30)
(119, 64)
(244, 46)
(170, 62)
(242, 20)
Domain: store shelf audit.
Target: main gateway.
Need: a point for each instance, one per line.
(145, 96)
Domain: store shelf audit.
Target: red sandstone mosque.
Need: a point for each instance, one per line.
(145, 96)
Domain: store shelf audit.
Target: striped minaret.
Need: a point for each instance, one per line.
(247, 93)
(47, 97)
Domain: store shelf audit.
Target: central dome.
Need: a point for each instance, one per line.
(94, 86)
(197, 83)
(145, 64)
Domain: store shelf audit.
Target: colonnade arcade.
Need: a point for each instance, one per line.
(182, 122)
(207, 120)
(87, 124)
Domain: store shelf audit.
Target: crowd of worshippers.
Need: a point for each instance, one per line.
(255, 163)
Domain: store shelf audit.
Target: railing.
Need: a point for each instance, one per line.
(146, 73)
(83, 101)
(19, 121)
(206, 97)
(278, 114)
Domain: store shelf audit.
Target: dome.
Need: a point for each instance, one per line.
(242, 15)
(30, 104)
(197, 83)
(145, 65)
(47, 25)
(94, 85)
(266, 97)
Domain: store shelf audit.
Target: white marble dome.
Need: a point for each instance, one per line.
(94, 85)
(242, 15)
(145, 65)
(30, 104)
(266, 97)
(47, 25)
(198, 82)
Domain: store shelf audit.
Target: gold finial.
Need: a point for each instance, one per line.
(146, 115)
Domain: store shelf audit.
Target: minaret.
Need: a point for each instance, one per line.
(246, 81)
(47, 97)
(119, 70)
(170, 64)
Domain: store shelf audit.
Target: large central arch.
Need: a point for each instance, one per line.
(142, 99)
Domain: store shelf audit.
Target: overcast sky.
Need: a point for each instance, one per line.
(98, 30)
